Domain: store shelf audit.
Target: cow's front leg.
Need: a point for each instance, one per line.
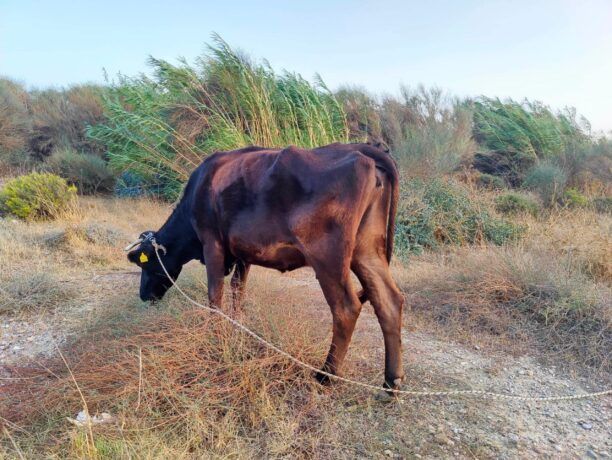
(215, 271)
(238, 284)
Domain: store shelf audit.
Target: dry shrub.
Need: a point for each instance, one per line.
(89, 173)
(60, 117)
(15, 123)
(581, 237)
(515, 300)
(362, 112)
(205, 389)
(430, 132)
(85, 243)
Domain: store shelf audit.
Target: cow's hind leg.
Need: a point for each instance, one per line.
(380, 288)
(215, 271)
(238, 283)
(345, 308)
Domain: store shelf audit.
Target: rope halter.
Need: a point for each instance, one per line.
(144, 238)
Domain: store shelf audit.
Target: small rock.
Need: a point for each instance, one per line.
(513, 439)
(591, 454)
(585, 425)
(558, 448)
(83, 419)
(388, 453)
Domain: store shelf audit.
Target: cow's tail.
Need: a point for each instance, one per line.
(393, 175)
(385, 161)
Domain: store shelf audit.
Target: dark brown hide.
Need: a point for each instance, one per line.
(331, 208)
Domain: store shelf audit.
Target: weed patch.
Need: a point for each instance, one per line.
(442, 213)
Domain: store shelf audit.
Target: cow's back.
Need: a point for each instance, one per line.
(269, 203)
(277, 181)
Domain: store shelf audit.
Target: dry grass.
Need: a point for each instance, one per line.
(204, 388)
(552, 291)
(581, 237)
(183, 385)
(207, 391)
(44, 265)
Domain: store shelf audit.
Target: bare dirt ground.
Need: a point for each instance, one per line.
(472, 426)
(444, 428)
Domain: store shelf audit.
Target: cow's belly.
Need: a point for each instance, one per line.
(280, 256)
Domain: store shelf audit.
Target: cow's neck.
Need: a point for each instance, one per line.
(178, 237)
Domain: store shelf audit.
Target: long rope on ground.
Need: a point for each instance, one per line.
(412, 393)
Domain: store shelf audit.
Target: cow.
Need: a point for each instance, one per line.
(331, 208)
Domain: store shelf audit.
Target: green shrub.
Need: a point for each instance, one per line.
(36, 196)
(603, 204)
(439, 212)
(516, 203)
(527, 127)
(491, 181)
(515, 136)
(548, 180)
(89, 173)
(574, 198)
(162, 128)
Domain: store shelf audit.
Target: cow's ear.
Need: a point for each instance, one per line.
(134, 256)
(141, 256)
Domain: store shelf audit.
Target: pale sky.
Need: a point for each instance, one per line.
(559, 52)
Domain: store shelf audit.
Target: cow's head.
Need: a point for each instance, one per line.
(153, 281)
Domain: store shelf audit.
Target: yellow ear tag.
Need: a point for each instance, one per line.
(143, 258)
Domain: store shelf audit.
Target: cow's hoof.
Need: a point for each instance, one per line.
(323, 379)
(396, 384)
(384, 397)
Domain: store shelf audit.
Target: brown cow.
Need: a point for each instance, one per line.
(332, 208)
